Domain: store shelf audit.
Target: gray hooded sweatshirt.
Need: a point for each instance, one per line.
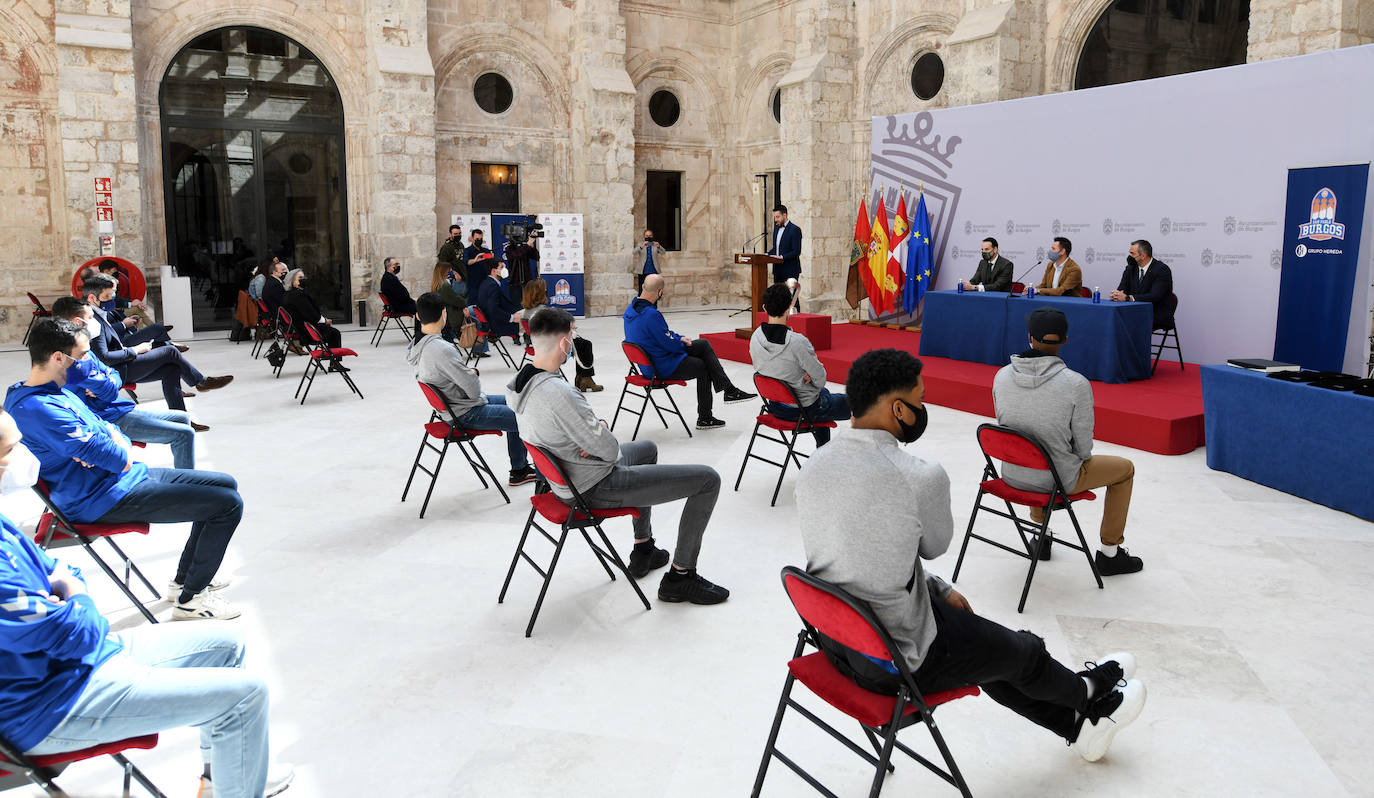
(556, 417)
(789, 362)
(1045, 399)
(438, 363)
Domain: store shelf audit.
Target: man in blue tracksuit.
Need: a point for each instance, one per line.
(98, 386)
(93, 478)
(678, 357)
(68, 683)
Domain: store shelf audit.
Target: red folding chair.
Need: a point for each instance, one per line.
(266, 329)
(827, 610)
(42, 770)
(639, 362)
(1169, 330)
(1018, 449)
(772, 390)
(485, 333)
(323, 357)
(389, 317)
(56, 531)
(443, 425)
(286, 336)
(574, 515)
(39, 312)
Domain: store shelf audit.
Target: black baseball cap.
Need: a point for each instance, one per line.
(1047, 325)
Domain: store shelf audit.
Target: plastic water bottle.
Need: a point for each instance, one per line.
(1097, 295)
(1030, 292)
(961, 286)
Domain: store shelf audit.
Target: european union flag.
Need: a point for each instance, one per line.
(919, 259)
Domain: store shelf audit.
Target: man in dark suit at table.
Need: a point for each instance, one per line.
(993, 272)
(1147, 280)
(787, 238)
(1062, 275)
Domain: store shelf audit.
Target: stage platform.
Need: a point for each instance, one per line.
(1161, 415)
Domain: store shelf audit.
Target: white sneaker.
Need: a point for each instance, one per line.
(174, 587)
(1123, 658)
(1106, 716)
(205, 606)
(279, 777)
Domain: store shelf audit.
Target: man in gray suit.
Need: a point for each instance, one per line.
(993, 273)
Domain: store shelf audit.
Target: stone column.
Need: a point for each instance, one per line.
(996, 53)
(400, 184)
(602, 149)
(819, 99)
(1280, 28)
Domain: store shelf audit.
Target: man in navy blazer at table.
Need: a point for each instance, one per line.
(1147, 280)
(787, 238)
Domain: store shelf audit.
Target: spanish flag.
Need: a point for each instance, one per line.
(876, 274)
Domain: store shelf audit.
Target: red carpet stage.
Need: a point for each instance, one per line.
(1162, 414)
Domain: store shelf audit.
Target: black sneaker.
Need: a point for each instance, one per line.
(520, 476)
(709, 422)
(678, 586)
(642, 562)
(736, 395)
(1122, 563)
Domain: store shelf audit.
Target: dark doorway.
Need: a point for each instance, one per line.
(1139, 39)
(253, 167)
(663, 207)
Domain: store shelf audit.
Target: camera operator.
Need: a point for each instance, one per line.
(523, 259)
(647, 258)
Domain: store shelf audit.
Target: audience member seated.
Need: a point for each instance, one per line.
(502, 312)
(439, 363)
(535, 295)
(555, 416)
(784, 355)
(870, 513)
(260, 278)
(273, 289)
(93, 477)
(98, 386)
(124, 315)
(304, 310)
(444, 282)
(393, 289)
(678, 357)
(67, 682)
(143, 362)
(1040, 396)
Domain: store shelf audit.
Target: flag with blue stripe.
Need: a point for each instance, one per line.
(919, 259)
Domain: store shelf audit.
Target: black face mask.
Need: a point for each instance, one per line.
(1130, 261)
(987, 256)
(910, 432)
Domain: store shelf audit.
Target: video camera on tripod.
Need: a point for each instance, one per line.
(520, 232)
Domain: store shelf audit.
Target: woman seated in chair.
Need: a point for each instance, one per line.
(449, 285)
(304, 310)
(536, 296)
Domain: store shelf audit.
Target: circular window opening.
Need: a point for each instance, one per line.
(777, 105)
(664, 108)
(493, 93)
(927, 76)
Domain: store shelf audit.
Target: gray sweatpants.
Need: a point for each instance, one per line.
(639, 481)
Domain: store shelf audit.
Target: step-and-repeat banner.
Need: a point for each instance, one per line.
(561, 260)
(1196, 164)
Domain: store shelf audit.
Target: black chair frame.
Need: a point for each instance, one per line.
(386, 316)
(266, 330)
(321, 357)
(285, 336)
(786, 438)
(39, 312)
(1164, 335)
(493, 340)
(655, 384)
(466, 442)
(23, 766)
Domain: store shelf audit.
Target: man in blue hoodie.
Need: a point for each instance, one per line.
(67, 682)
(678, 357)
(98, 386)
(93, 478)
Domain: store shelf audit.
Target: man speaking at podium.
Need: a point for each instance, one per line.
(787, 238)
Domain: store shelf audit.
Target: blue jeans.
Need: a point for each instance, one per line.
(172, 427)
(495, 415)
(169, 676)
(827, 407)
(208, 499)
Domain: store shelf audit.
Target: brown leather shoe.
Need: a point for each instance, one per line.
(186, 394)
(182, 347)
(198, 427)
(587, 385)
(211, 383)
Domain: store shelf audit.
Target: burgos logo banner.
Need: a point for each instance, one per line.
(1323, 225)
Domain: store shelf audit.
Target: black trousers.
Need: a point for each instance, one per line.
(582, 357)
(165, 363)
(331, 335)
(702, 365)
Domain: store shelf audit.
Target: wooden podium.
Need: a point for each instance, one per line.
(758, 281)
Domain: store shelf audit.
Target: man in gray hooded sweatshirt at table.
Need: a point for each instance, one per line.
(788, 356)
(438, 363)
(1038, 395)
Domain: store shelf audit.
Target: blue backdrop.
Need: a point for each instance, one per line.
(1321, 247)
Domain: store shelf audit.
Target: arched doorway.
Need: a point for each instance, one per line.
(253, 164)
(1139, 39)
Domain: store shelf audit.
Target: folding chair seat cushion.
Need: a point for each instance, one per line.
(104, 749)
(555, 511)
(869, 708)
(1027, 498)
(773, 422)
(640, 381)
(89, 530)
(339, 352)
(443, 429)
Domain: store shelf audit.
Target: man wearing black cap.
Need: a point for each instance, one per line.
(1040, 396)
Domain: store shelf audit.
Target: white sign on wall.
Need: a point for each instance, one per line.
(561, 251)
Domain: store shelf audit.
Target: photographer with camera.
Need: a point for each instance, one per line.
(647, 258)
(521, 254)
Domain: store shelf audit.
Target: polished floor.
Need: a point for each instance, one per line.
(395, 672)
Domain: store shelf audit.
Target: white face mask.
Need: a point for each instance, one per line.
(22, 472)
(504, 273)
(93, 327)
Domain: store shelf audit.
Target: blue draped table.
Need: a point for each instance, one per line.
(1108, 342)
(1310, 442)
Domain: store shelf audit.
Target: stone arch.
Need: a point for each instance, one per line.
(746, 99)
(1069, 44)
(39, 52)
(682, 66)
(930, 24)
(513, 43)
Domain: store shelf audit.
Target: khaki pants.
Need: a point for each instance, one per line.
(1117, 475)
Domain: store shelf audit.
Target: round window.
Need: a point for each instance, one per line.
(493, 93)
(664, 108)
(927, 76)
(777, 105)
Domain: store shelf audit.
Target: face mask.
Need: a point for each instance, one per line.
(987, 256)
(477, 242)
(1055, 256)
(92, 327)
(22, 472)
(1130, 261)
(568, 355)
(504, 273)
(910, 432)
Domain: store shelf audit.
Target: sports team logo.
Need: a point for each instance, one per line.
(577, 221)
(562, 293)
(1323, 225)
(562, 256)
(1207, 257)
(1229, 226)
(1107, 227)
(1165, 226)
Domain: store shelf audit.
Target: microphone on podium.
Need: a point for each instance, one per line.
(752, 240)
(1026, 272)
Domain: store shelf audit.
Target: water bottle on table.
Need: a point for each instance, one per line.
(1030, 292)
(1097, 295)
(961, 286)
